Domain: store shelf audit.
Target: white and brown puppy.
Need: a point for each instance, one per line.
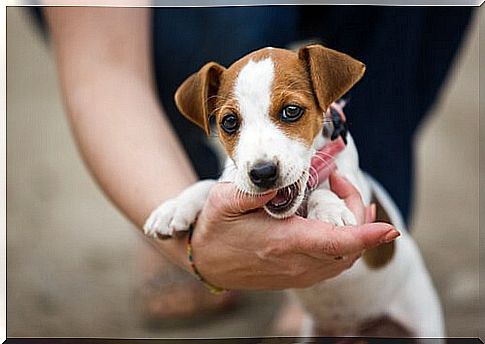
(269, 108)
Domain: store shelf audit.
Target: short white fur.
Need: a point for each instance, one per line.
(259, 138)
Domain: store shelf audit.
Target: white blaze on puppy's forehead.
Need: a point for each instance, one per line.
(260, 139)
(253, 89)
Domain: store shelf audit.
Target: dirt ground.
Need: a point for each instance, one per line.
(73, 266)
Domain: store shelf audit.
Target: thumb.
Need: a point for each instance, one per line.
(340, 241)
(234, 201)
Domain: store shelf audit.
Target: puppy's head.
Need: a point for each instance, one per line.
(269, 108)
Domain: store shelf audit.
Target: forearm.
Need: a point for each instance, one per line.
(130, 149)
(123, 136)
(127, 144)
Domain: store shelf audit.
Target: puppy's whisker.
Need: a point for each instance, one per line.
(318, 153)
(327, 163)
(314, 178)
(239, 196)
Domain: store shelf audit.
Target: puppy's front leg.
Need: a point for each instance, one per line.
(326, 206)
(177, 214)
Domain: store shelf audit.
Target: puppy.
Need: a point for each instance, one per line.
(275, 109)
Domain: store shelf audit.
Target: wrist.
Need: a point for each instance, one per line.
(174, 250)
(195, 271)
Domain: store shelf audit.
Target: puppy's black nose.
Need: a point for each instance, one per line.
(264, 174)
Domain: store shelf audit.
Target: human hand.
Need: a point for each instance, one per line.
(236, 245)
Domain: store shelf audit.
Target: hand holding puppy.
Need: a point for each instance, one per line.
(237, 245)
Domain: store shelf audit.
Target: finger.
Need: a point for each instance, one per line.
(349, 193)
(341, 186)
(229, 199)
(370, 213)
(321, 239)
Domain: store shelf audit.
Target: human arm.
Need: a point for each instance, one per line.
(105, 71)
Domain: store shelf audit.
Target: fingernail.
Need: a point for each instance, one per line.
(389, 236)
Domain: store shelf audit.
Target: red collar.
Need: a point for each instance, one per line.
(323, 161)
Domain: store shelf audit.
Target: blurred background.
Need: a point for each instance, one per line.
(72, 260)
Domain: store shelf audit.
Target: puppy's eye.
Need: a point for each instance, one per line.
(230, 123)
(291, 113)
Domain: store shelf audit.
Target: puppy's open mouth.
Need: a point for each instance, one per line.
(285, 198)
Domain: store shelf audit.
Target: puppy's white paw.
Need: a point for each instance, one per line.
(179, 213)
(158, 223)
(325, 206)
(334, 214)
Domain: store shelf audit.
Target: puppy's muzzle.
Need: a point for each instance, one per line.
(264, 174)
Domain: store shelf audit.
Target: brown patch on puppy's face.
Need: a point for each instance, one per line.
(291, 87)
(311, 79)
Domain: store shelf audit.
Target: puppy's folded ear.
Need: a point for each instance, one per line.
(195, 98)
(332, 73)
